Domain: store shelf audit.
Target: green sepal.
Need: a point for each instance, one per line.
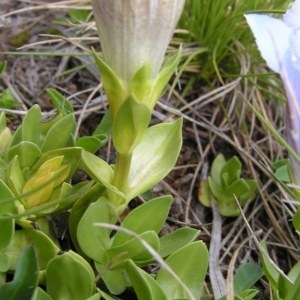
(25, 278)
(191, 271)
(69, 276)
(144, 285)
(112, 85)
(141, 83)
(154, 157)
(135, 220)
(164, 76)
(131, 122)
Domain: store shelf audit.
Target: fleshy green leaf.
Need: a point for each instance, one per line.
(71, 158)
(28, 153)
(59, 134)
(247, 295)
(99, 170)
(80, 207)
(7, 202)
(295, 290)
(145, 286)
(216, 168)
(177, 239)
(105, 125)
(113, 279)
(233, 168)
(45, 248)
(25, 279)
(46, 125)
(61, 104)
(4, 263)
(15, 179)
(270, 272)
(91, 143)
(31, 125)
(133, 249)
(95, 240)
(154, 157)
(68, 276)
(190, 264)
(246, 276)
(296, 220)
(5, 139)
(7, 228)
(40, 294)
(135, 220)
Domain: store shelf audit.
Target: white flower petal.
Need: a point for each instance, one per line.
(272, 37)
(135, 31)
(291, 17)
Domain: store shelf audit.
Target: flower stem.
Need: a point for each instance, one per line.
(122, 168)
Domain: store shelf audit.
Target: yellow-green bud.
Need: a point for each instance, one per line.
(41, 185)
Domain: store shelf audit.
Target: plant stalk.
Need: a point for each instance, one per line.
(121, 173)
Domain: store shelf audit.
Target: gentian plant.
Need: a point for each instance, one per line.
(134, 35)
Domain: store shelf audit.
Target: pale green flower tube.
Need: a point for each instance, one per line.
(134, 32)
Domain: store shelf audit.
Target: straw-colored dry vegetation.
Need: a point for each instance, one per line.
(217, 119)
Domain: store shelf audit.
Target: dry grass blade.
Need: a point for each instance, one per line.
(216, 277)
